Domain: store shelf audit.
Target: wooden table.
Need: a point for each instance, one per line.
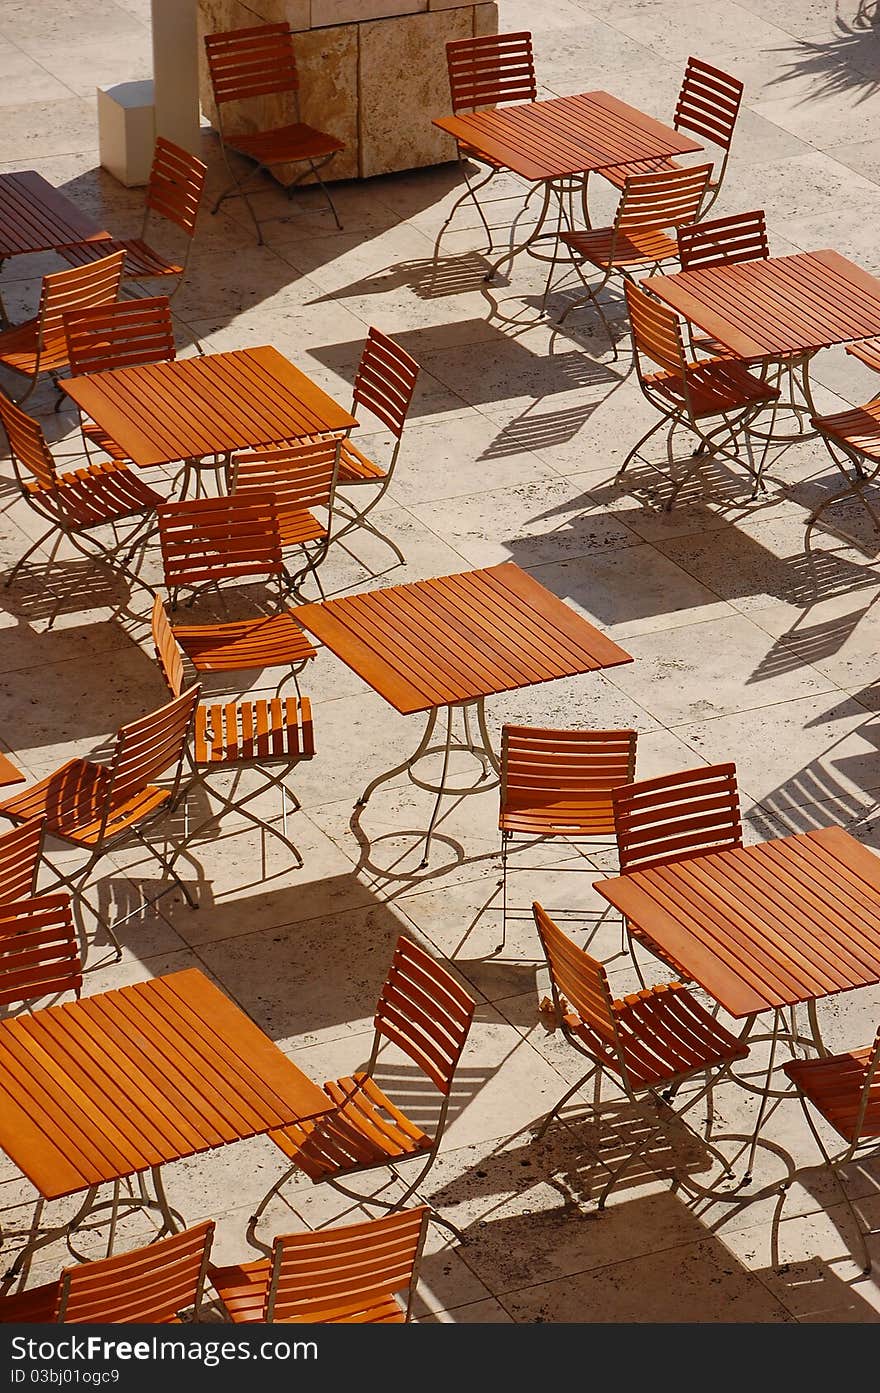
(8, 772)
(450, 642)
(34, 217)
(120, 1083)
(204, 406)
(558, 143)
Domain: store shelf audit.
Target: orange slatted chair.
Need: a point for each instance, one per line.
(345, 1275)
(247, 64)
(153, 1285)
(558, 783)
(722, 242)
(487, 70)
(423, 1012)
(707, 107)
(673, 817)
(845, 1091)
(39, 345)
(689, 394)
(266, 735)
(174, 194)
(77, 502)
(39, 955)
(97, 807)
(649, 1043)
(301, 478)
(207, 541)
(853, 437)
(651, 207)
(123, 335)
(20, 851)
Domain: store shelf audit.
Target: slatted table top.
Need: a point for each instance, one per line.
(206, 405)
(34, 217)
(110, 1085)
(781, 305)
(771, 925)
(8, 772)
(457, 638)
(566, 135)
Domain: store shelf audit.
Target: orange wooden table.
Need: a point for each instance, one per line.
(450, 642)
(8, 772)
(212, 404)
(120, 1083)
(557, 143)
(34, 217)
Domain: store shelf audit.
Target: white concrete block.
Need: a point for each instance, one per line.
(127, 130)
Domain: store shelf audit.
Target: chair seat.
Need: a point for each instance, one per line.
(227, 732)
(298, 525)
(639, 248)
(141, 260)
(715, 385)
(355, 467)
(366, 1130)
(72, 801)
(619, 173)
(18, 349)
(103, 440)
(269, 641)
(665, 1034)
(34, 1307)
(834, 1087)
(243, 1289)
(658, 951)
(589, 815)
(859, 428)
(294, 142)
(95, 494)
(470, 152)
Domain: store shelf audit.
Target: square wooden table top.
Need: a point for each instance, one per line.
(34, 217)
(8, 772)
(211, 404)
(780, 305)
(766, 926)
(566, 135)
(113, 1084)
(458, 638)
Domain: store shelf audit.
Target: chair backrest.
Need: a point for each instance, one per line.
(251, 62)
(28, 444)
(723, 241)
(39, 949)
(385, 382)
(337, 1274)
(167, 649)
(708, 103)
(148, 748)
(175, 185)
(490, 69)
(20, 849)
(96, 283)
(150, 1285)
(676, 816)
(301, 476)
(537, 761)
(666, 198)
(576, 978)
(656, 331)
(424, 1011)
(121, 335)
(214, 539)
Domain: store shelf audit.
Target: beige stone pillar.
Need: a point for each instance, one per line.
(176, 71)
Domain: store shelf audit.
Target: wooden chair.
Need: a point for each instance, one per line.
(39, 955)
(558, 783)
(486, 70)
(39, 345)
(845, 1092)
(851, 438)
(650, 1043)
(254, 63)
(384, 385)
(689, 394)
(673, 817)
(651, 206)
(271, 736)
(340, 1275)
(98, 807)
(707, 107)
(153, 1285)
(122, 335)
(174, 194)
(77, 502)
(423, 1012)
(20, 851)
(301, 478)
(722, 242)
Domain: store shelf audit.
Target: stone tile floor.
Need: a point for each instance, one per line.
(745, 647)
